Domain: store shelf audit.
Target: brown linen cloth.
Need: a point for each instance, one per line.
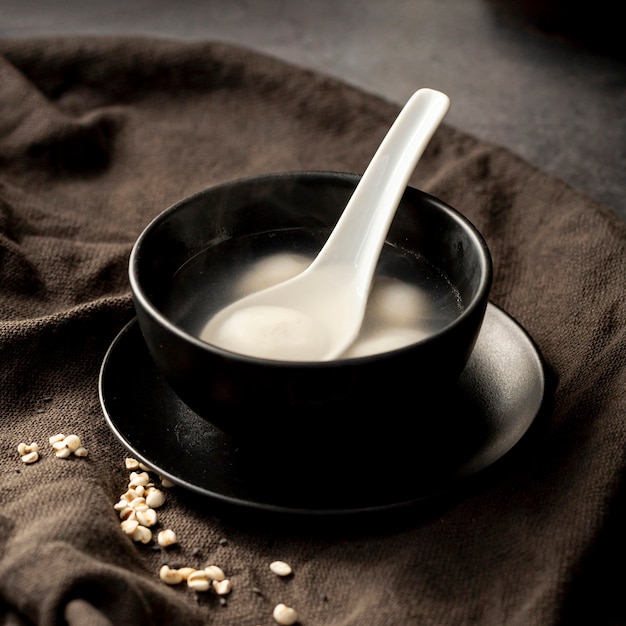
(97, 136)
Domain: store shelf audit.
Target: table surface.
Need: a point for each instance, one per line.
(556, 100)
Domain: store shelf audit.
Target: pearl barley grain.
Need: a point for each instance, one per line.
(170, 576)
(129, 526)
(198, 581)
(142, 534)
(138, 479)
(147, 517)
(221, 587)
(63, 453)
(166, 538)
(155, 498)
(214, 572)
(284, 615)
(131, 464)
(30, 457)
(280, 568)
(24, 449)
(28, 453)
(186, 571)
(72, 442)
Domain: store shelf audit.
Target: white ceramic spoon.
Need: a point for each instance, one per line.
(316, 315)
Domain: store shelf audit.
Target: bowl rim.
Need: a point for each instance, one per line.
(138, 293)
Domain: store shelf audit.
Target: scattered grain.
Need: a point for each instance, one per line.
(186, 572)
(146, 517)
(142, 534)
(63, 453)
(280, 568)
(215, 573)
(72, 442)
(155, 498)
(129, 526)
(29, 453)
(284, 615)
(30, 457)
(138, 478)
(199, 581)
(221, 587)
(138, 502)
(170, 576)
(131, 464)
(166, 538)
(66, 446)
(24, 448)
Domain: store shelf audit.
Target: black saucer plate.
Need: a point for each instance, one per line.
(497, 398)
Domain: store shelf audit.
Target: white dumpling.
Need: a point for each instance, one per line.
(270, 271)
(384, 340)
(396, 303)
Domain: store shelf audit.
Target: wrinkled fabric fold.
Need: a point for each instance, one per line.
(97, 136)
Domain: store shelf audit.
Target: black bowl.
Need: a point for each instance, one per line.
(348, 401)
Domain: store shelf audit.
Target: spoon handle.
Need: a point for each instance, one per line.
(361, 230)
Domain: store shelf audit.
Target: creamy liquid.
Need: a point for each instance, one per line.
(398, 312)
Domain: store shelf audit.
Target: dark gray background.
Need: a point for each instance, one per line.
(554, 94)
